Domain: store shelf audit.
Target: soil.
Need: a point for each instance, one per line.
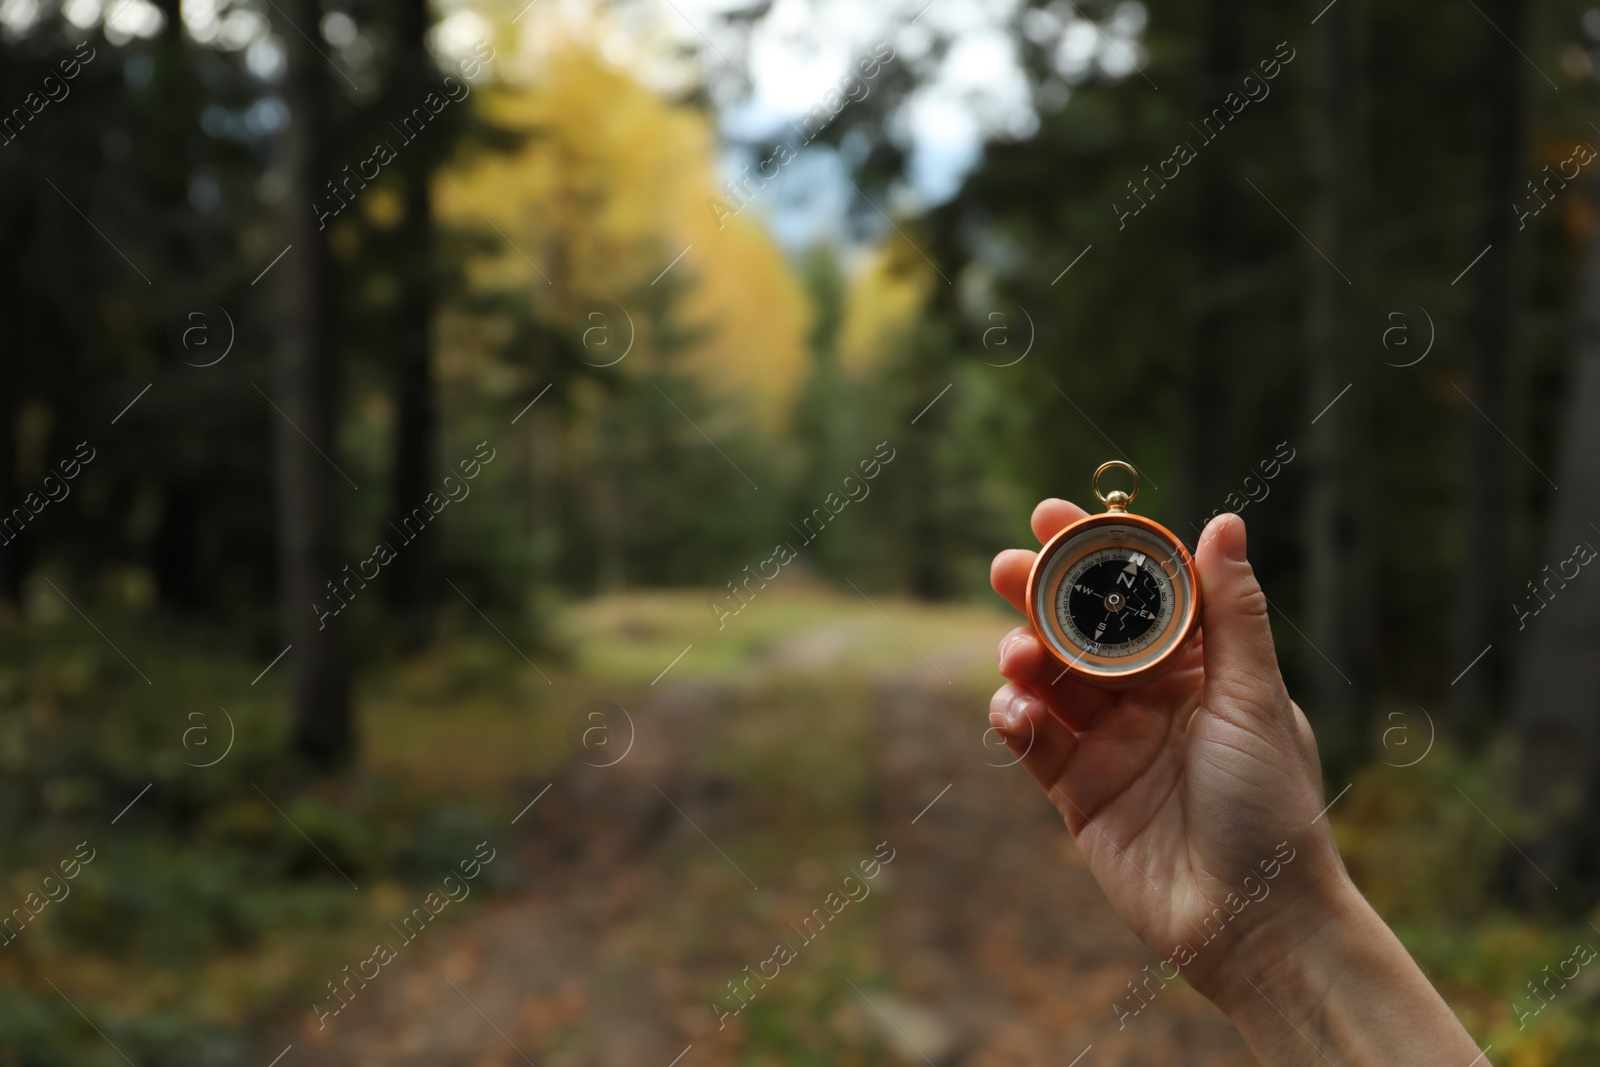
(995, 947)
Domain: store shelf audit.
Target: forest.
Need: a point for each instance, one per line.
(561, 431)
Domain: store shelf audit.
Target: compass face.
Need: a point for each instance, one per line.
(1114, 601)
(1113, 597)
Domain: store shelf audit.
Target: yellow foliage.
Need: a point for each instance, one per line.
(384, 206)
(611, 183)
(885, 296)
(1543, 1051)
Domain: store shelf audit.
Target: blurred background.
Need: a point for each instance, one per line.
(514, 484)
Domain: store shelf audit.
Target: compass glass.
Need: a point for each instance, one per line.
(1113, 600)
(1113, 597)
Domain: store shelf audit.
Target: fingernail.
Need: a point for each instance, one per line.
(1231, 539)
(1006, 646)
(1016, 710)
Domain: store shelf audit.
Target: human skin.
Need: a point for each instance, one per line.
(1177, 790)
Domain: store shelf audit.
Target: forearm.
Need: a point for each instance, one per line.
(1334, 985)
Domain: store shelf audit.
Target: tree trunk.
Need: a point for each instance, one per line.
(1557, 709)
(610, 518)
(176, 556)
(1341, 622)
(309, 487)
(13, 544)
(1205, 480)
(542, 513)
(1484, 590)
(410, 587)
(17, 226)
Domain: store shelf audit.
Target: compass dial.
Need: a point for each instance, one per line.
(1114, 602)
(1113, 597)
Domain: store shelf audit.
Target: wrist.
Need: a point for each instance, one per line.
(1325, 974)
(1311, 893)
(1295, 949)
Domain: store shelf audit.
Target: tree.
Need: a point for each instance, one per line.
(1484, 588)
(1215, 249)
(1342, 620)
(309, 486)
(13, 552)
(1557, 695)
(823, 415)
(410, 587)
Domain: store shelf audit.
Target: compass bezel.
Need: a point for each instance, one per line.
(1087, 666)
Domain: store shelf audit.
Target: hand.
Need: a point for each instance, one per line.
(1197, 801)
(1185, 792)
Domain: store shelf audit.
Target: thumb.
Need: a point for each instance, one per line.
(1242, 673)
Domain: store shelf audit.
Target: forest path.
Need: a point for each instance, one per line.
(985, 941)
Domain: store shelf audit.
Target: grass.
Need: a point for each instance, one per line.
(785, 630)
(207, 912)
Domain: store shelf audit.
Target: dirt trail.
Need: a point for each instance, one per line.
(997, 947)
(1002, 929)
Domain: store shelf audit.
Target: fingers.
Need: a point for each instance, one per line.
(1052, 516)
(1241, 666)
(1009, 575)
(1024, 662)
(1042, 744)
(1022, 657)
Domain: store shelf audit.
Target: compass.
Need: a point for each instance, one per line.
(1114, 597)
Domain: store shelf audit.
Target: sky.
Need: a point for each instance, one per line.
(761, 74)
(976, 90)
(764, 74)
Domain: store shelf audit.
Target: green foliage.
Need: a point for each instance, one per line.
(217, 897)
(1435, 868)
